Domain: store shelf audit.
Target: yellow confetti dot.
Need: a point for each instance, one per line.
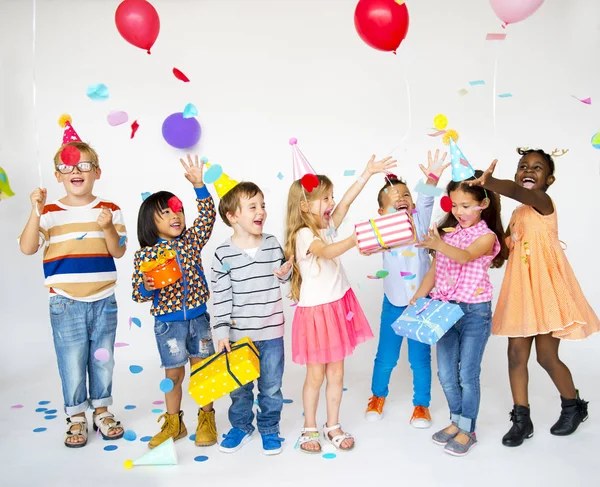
(128, 464)
(408, 253)
(479, 291)
(449, 229)
(440, 121)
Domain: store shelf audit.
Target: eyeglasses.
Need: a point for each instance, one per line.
(81, 166)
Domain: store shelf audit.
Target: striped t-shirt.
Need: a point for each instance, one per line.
(77, 263)
(246, 293)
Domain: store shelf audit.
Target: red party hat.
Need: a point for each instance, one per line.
(69, 135)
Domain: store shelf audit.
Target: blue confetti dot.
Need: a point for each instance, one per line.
(129, 435)
(110, 447)
(135, 369)
(157, 411)
(193, 437)
(329, 456)
(52, 416)
(39, 430)
(51, 411)
(200, 458)
(136, 322)
(43, 403)
(145, 195)
(41, 410)
(213, 173)
(122, 240)
(226, 267)
(344, 389)
(280, 176)
(287, 401)
(145, 439)
(130, 406)
(256, 402)
(166, 385)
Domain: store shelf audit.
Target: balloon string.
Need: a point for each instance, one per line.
(403, 139)
(35, 127)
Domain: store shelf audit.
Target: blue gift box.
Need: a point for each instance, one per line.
(428, 320)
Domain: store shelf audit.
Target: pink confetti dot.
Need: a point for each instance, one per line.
(350, 315)
(102, 354)
(158, 402)
(17, 406)
(121, 344)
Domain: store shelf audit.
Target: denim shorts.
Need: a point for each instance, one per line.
(179, 340)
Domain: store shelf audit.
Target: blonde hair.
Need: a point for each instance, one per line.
(81, 147)
(296, 220)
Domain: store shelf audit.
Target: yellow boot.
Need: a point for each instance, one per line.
(173, 427)
(206, 432)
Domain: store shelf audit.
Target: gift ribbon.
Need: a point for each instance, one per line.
(162, 257)
(225, 352)
(434, 327)
(377, 234)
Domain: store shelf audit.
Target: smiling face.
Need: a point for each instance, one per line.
(250, 215)
(403, 199)
(533, 172)
(466, 209)
(321, 208)
(169, 224)
(79, 185)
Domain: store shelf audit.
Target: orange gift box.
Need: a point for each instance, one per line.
(164, 269)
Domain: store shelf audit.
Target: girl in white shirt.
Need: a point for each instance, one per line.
(328, 320)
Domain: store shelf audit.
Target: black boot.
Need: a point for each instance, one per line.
(574, 412)
(521, 429)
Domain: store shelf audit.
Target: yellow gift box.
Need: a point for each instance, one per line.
(224, 372)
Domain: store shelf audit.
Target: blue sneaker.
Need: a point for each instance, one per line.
(271, 444)
(234, 440)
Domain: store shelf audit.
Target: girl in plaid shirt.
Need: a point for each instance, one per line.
(472, 242)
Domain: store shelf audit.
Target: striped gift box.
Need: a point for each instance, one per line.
(384, 232)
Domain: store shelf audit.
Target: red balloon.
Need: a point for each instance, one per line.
(137, 21)
(382, 24)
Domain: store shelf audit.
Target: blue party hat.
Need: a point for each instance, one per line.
(461, 169)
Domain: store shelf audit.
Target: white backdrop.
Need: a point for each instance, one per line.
(261, 72)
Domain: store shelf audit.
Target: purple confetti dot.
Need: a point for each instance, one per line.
(158, 403)
(17, 406)
(200, 458)
(39, 430)
(110, 447)
(121, 344)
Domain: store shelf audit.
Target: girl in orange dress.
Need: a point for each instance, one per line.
(540, 298)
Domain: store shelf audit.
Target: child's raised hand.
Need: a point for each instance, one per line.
(284, 269)
(194, 170)
(38, 199)
(435, 167)
(223, 345)
(148, 283)
(105, 218)
(374, 167)
(480, 181)
(431, 241)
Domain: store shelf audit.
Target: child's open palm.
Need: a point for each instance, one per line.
(193, 170)
(480, 181)
(384, 165)
(435, 166)
(284, 269)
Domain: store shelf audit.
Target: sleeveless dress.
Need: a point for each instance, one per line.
(540, 293)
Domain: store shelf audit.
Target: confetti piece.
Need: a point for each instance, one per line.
(391, 209)
(463, 92)
(39, 430)
(166, 385)
(495, 37)
(330, 231)
(145, 196)
(382, 274)
(449, 280)
(344, 389)
(146, 439)
(505, 95)
(50, 411)
(130, 406)
(180, 76)
(157, 411)
(479, 291)
(440, 121)
(70, 155)
(41, 410)
(413, 287)
(350, 315)
(587, 101)
(349, 172)
(200, 458)
(128, 464)
(437, 134)
(122, 240)
(82, 237)
(213, 173)
(287, 401)
(135, 321)
(129, 435)
(111, 448)
(477, 82)
(121, 344)
(135, 369)
(408, 253)
(193, 437)
(134, 127)
(97, 92)
(159, 402)
(117, 118)
(16, 406)
(190, 111)
(280, 176)
(293, 304)
(449, 229)
(403, 273)
(409, 278)
(428, 189)
(51, 416)
(102, 354)
(414, 211)
(329, 456)
(596, 141)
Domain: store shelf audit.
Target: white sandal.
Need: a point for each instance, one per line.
(83, 431)
(312, 437)
(105, 428)
(337, 440)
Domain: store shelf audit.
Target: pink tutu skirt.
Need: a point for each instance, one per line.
(329, 332)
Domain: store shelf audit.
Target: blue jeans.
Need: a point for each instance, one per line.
(79, 329)
(459, 355)
(270, 398)
(388, 353)
(177, 341)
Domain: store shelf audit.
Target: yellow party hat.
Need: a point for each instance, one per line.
(223, 184)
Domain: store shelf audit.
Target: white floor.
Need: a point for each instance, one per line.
(387, 452)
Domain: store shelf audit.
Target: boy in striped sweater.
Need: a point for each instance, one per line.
(81, 235)
(246, 274)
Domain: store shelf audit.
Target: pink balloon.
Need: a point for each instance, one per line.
(512, 11)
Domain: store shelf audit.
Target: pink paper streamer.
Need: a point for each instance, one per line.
(495, 37)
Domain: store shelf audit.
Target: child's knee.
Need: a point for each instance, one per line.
(315, 377)
(335, 373)
(176, 374)
(517, 357)
(547, 361)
